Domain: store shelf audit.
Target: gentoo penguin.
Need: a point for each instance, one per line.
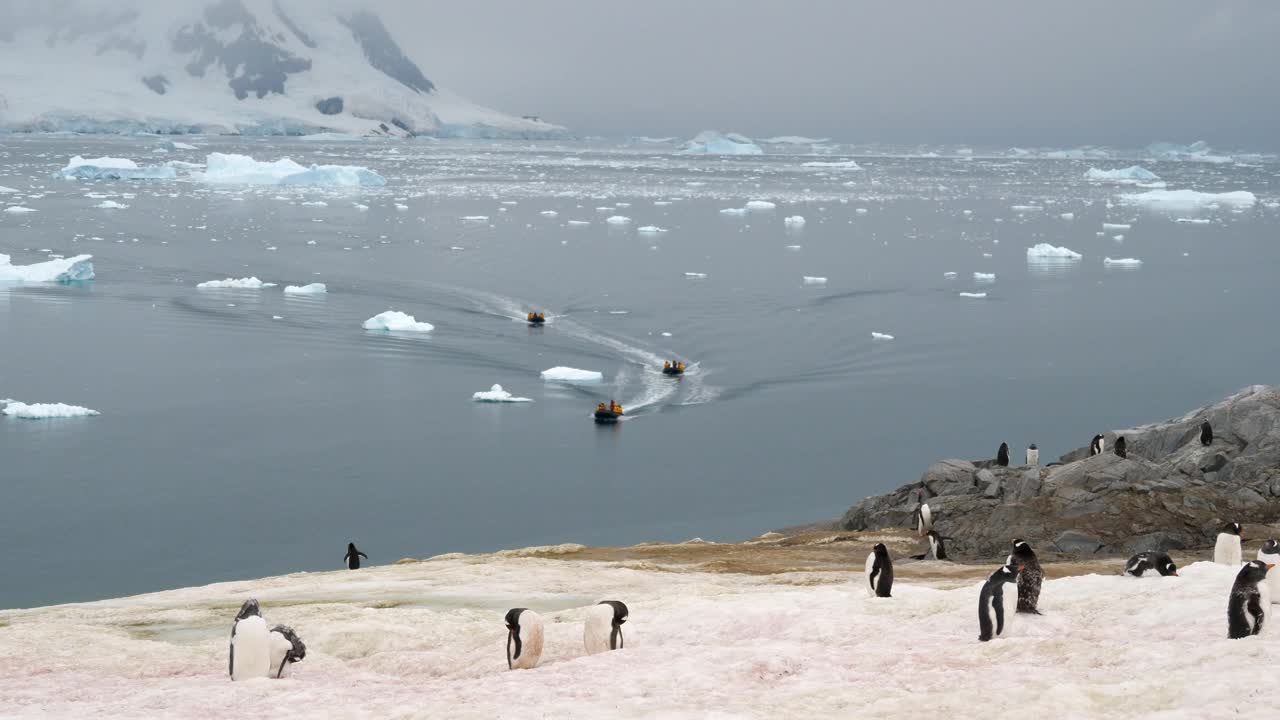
(603, 629)
(286, 649)
(992, 599)
(1147, 561)
(353, 556)
(249, 655)
(1245, 613)
(1227, 550)
(1002, 455)
(1029, 577)
(922, 517)
(524, 639)
(937, 550)
(1270, 554)
(1206, 434)
(1122, 448)
(879, 572)
(1096, 445)
(1033, 455)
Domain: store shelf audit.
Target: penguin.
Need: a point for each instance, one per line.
(1227, 550)
(992, 598)
(1146, 561)
(1029, 577)
(1206, 434)
(524, 639)
(1033, 455)
(603, 629)
(1097, 445)
(353, 556)
(922, 517)
(1002, 455)
(937, 549)
(1122, 448)
(1270, 554)
(249, 655)
(879, 572)
(286, 648)
(1245, 613)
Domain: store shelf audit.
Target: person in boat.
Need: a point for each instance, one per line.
(615, 408)
(666, 365)
(600, 408)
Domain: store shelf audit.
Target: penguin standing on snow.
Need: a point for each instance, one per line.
(250, 657)
(524, 639)
(286, 648)
(879, 572)
(1122, 448)
(1206, 434)
(1227, 550)
(922, 517)
(1245, 613)
(1002, 455)
(1147, 561)
(1270, 554)
(1033, 455)
(1097, 445)
(991, 599)
(352, 558)
(1029, 577)
(937, 549)
(603, 629)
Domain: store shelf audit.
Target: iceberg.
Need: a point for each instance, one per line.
(243, 170)
(395, 321)
(1047, 252)
(249, 283)
(794, 222)
(1131, 174)
(1195, 152)
(711, 142)
(312, 289)
(61, 270)
(813, 280)
(843, 165)
(760, 205)
(881, 336)
(571, 375)
(46, 411)
(618, 220)
(109, 168)
(1122, 262)
(1189, 199)
(496, 394)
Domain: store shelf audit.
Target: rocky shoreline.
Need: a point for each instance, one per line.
(1169, 493)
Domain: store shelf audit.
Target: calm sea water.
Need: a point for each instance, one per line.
(246, 433)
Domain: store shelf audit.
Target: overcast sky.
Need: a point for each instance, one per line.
(1048, 73)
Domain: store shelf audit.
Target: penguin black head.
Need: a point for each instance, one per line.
(620, 611)
(513, 619)
(880, 550)
(249, 609)
(351, 547)
(1254, 571)
(1231, 528)
(1167, 569)
(1271, 547)
(299, 650)
(1033, 447)
(1009, 573)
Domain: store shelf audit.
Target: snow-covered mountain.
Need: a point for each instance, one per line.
(223, 66)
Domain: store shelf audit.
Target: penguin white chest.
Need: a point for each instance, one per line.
(527, 653)
(597, 631)
(1227, 550)
(249, 649)
(1033, 456)
(278, 648)
(1270, 587)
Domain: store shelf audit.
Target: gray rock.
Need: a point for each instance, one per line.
(1077, 543)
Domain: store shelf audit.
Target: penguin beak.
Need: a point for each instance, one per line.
(1270, 567)
(1021, 568)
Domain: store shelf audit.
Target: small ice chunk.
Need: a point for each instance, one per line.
(794, 222)
(974, 295)
(881, 336)
(579, 223)
(401, 207)
(316, 203)
(496, 394)
(1193, 221)
(475, 218)
(111, 205)
(651, 230)
(695, 275)
(19, 209)
(249, 283)
(1189, 199)
(396, 321)
(841, 165)
(813, 280)
(46, 411)
(618, 220)
(984, 277)
(1118, 238)
(760, 205)
(793, 248)
(7, 190)
(734, 211)
(1123, 262)
(1068, 216)
(311, 289)
(174, 145)
(1047, 251)
(950, 275)
(1026, 208)
(548, 213)
(571, 375)
(1130, 175)
(1116, 226)
(861, 211)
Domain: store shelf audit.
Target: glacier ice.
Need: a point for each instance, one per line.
(311, 289)
(110, 168)
(496, 394)
(571, 375)
(1045, 251)
(244, 170)
(61, 270)
(249, 283)
(1131, 174)
(396, 321)
(1189, 199)
(46, 411)
(712, 142)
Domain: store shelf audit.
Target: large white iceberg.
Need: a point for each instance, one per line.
(109, 168)
(711, 142)
(1189, 199)
(46, 411)
(61, 270)
(1195, 152)
(496, 394)
(249, 283)
(1047, 252)
(396, 321)
(311, 289)
(244, 170)
(1131, 174)
(571, 375)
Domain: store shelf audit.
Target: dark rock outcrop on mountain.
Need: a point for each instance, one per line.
(1171, 492)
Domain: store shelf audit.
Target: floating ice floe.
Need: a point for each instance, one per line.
(396, 321)
(695, 275)
(244, 170)
(950, 275)
(1026, 208)
(734, 211)
(813, 280)
(548, 213)
(984, 277)
(618, 220)
(861, 211)
(475, 218)
(61, 270)
(1189, 199)
(315, 203)
(760, 205)
(109, 168)
(794, 140)
(7, 190)
(843, 165)
(794, 248)
(571, 375)
(1045, 251)
(46, 411)
(711, 142)
(111, 205)
(401, 207)
(1116, 226)
(173, 145)
(795, 222)
(1118, 238)
(496, 394)
(1067, 216)
(1193, 221)
(1122, 262)
(249, 283)
(973, 295)
(579, 223)
(1130, 175)
(19, 210)
(651, 230)
(310, 289)
(881, 336)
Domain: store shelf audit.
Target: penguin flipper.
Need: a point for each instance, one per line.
(1255, 609)
(998, 603)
